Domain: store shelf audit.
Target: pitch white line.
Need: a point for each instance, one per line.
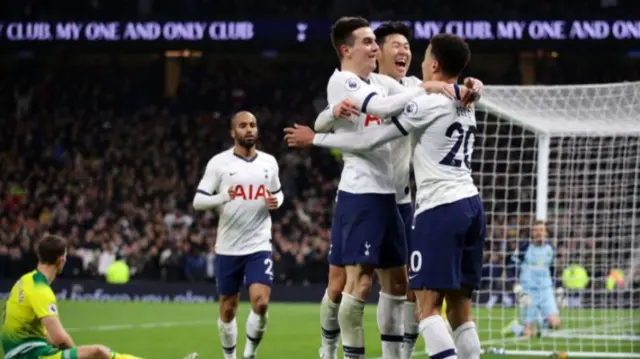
(616, 337)
(109, 328)
(511, 340)
(502, 341)
(620, 324)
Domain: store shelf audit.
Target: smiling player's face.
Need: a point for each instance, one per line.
(245, 131)
(364, 49)
(394, 56)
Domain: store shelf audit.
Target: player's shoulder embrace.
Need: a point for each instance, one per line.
(345, 80)
(381, 78)
(411, 81)
(427, 103)
(438, 99)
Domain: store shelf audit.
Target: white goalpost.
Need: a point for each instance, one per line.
(569, 156)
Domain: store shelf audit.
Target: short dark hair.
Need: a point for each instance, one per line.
(391, 28)
(50, 248)
(451, 52)
(233, 118)
(342, 31)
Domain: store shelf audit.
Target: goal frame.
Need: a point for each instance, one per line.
(544, 135)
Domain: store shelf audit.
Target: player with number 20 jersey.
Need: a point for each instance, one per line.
(443, 133)
(447, 240)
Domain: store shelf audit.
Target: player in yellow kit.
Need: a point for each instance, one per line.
(31, 327)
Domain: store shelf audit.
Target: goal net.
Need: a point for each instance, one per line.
(569, 156)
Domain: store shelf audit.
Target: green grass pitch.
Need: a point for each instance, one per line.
(172, 330)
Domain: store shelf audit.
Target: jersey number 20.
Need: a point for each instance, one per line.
(454, 129)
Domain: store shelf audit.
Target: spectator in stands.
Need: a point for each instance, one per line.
(74, 268)
(5, 259)
(102, 157)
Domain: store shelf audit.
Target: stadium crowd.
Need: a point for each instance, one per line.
(98, 152)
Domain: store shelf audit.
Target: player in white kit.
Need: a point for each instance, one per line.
(448, 236)
(394, 59)
(367, 231)
(243, 185)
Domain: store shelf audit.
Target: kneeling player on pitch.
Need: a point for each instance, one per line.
(32, 327)
(535, 292)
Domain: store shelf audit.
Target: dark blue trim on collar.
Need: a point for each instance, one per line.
(246, 159)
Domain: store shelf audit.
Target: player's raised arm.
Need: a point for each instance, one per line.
(356, 141)
(346, 85)
(324, 121)
(206, 198)
(417, 114)
(328, 117)
(467, 93)
(424, 111)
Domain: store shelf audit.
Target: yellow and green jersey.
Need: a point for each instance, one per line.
(31, 300)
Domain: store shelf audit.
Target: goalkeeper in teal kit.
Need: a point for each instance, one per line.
(535, 292)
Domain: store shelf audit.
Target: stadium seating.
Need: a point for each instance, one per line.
(95, 151)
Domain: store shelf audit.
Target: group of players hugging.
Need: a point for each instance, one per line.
(424, 257)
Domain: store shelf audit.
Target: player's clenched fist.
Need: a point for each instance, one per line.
(474, 84)
(271, 201)
(299, 136)
(474, 90)
(345, 109)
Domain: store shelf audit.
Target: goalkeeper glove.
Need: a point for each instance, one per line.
(522, 298)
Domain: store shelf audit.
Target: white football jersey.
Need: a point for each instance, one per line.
(365, 171)
(245, 221)
(401, 156)
(443, 134)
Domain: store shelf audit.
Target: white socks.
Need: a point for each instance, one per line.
(467, 341)
(256, 325)
(228, 338)
(350, 317)
(410, 329)
(330, 327)
(390, 324)
(437, 338)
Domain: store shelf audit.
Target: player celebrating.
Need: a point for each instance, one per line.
(394, 59)
(31, 326)
(535, 291)
(367, 232)
(448, 236)
(248, 186)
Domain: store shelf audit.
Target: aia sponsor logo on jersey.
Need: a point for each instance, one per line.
(372, 120)
(250, 192)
